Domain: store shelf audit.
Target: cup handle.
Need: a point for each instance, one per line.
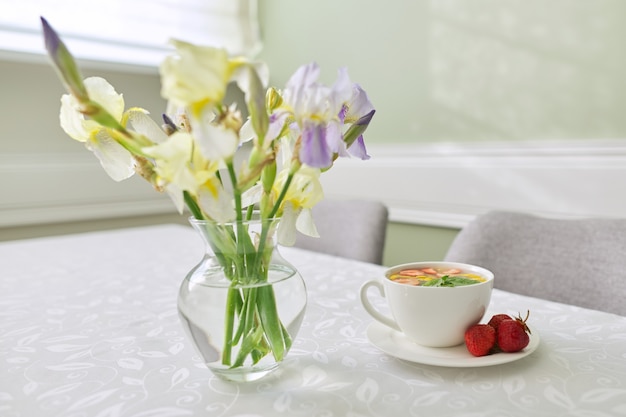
(387, 321)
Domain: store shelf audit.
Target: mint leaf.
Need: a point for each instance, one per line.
(434, 283)
(460, 281)
(448, 281)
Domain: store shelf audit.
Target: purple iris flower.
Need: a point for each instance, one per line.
(321, 112)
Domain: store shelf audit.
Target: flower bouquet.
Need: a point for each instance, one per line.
(288, 137)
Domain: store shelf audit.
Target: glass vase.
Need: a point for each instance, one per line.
(242, 304)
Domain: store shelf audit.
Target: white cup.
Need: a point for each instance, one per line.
(431, 316)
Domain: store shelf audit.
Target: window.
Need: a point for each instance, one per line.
(126, 32)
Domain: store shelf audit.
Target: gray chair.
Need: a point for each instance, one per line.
(352, 229)
(574, 261)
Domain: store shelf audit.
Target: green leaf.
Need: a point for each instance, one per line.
(357, 129)
(252, 342)
(278, 339)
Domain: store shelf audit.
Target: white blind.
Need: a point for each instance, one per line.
(132, 32)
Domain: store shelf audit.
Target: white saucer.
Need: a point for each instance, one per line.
(396, 344)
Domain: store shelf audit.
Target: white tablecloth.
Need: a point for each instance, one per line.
(88, 327)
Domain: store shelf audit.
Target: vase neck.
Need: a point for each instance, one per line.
(244, 250)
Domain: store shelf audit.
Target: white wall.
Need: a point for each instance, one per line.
(459, 70)
(509, 104)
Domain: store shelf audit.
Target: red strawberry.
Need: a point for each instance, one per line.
(480, 339)
(497, 319)
(513, 334)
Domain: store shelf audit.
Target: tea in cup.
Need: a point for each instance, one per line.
(432, 303)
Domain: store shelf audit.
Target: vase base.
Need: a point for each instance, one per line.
(242, 374)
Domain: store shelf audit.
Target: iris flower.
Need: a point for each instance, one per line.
(116, 160)
(321, 112)
(181, 168)
(196, 78)
(358, 111)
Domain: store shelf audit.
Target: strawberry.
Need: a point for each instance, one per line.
(496, 319)
(480, 339)
(513, 334)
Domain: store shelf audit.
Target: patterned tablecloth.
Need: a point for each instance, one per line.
(88, 327)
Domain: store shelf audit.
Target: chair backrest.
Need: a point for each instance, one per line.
(352, 229)
(574, 261)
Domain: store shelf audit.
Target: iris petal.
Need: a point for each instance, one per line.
(287, 226)
(216, 202)
(334, 139)
(172, 160)
(103, 93)
(142, 123)
(176, 195)
(358, 149)
(341, 90)
(195, 74)
(116, 161)
(73, 122)
(358, 106)
(305, 223)
(314, 151)
(215, 142)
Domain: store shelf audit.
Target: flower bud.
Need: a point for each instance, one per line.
(268, 176)
(273, 99)
(64, 63)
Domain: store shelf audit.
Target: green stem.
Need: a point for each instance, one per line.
(236, 190)
(242, 234)
(282, 195)
(241, 273)
(277, 337)
(257, 311)
(229, 322)
(248, 312)
(266, 224)
(193, 206)
(249, 212)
